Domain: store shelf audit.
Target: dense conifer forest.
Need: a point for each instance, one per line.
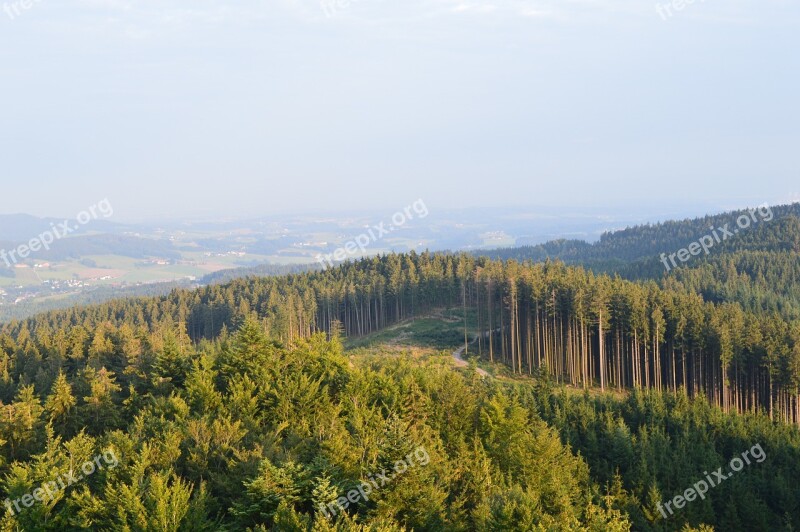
(235, 407)
(772, 228)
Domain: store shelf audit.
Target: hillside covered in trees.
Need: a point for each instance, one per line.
(234, 406)
(771, 228)
(757, 267)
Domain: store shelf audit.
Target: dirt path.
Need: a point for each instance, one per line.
(461, 363)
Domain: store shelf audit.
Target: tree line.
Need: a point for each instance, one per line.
(584, 329)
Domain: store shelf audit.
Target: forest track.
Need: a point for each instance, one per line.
(461, 363)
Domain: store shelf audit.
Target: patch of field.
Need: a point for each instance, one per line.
(57, 297)
(24, 277)
(216, 263)
(96, 273)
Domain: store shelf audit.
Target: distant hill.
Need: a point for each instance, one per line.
(644, 244)
(123, 245)
(262, 270)
(756, 267)
(98, 237)
(81, 246)
(21, 228)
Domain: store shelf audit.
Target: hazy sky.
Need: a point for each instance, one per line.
(262, 107)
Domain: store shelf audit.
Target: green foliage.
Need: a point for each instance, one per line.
(258, 428)
(236, 446)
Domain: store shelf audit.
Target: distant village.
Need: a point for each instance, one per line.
(17, 294)
(14, 295)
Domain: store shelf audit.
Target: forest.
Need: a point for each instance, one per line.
(236, 407)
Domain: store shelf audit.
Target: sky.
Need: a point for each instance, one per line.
(259, 108)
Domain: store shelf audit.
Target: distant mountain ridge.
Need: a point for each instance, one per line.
(20, 228)
(646, 243)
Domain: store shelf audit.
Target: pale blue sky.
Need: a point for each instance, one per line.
(265, 107)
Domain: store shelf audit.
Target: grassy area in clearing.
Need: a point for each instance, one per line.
(441, 330)
(436, 336)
